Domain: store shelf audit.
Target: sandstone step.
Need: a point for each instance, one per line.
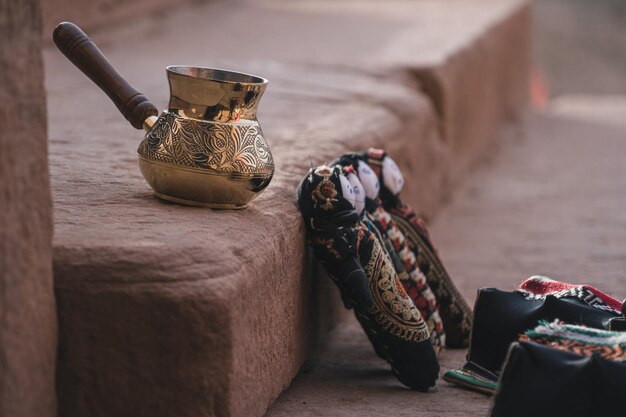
(171, 310)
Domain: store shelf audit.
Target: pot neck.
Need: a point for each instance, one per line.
(226, 101)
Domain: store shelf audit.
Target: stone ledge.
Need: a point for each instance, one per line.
(171, 310)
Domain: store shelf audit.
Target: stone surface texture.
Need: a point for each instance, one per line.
(27, 309)
(555, 209)
(109, 14)
(171, 310)
(549, 201)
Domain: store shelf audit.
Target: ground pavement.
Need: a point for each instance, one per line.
(549, 201)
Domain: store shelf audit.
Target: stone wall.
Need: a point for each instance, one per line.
(27, 309)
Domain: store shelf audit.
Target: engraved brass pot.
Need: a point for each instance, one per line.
(207, 148)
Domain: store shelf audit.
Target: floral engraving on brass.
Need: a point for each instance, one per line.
(227, 148)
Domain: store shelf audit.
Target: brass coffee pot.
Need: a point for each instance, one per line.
(207, 149)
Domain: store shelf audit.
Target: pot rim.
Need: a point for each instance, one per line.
(216, 74)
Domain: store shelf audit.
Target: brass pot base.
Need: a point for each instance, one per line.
(216, 206)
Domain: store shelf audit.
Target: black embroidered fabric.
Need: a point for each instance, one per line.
(452, 307)
(364, 274)
(403, 258)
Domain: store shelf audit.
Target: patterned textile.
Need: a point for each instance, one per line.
(473, 377)
(499, 319)
(579, 339)
(413, 280)
(454, 310)
(365, 276)
(538, 287)
(405, 263)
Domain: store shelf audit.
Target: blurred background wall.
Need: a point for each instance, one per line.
(96, 14)
(580, 45)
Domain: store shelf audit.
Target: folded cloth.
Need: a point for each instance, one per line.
(454, 310)
(501, 316)
(541, 381)
(610, 345)
(365, 276)
(405, 263)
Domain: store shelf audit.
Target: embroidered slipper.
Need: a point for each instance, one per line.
(473, 377)
(455, 313)
(357, 197)
(364, 274)
(403, 258)
(501, 316)
(585, 341)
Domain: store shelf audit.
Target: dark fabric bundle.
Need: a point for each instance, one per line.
(541, 381)
(454, 311)
(501, 316)
(363, 272)
(405, 263)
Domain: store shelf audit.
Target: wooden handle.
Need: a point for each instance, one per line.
(86, 56)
